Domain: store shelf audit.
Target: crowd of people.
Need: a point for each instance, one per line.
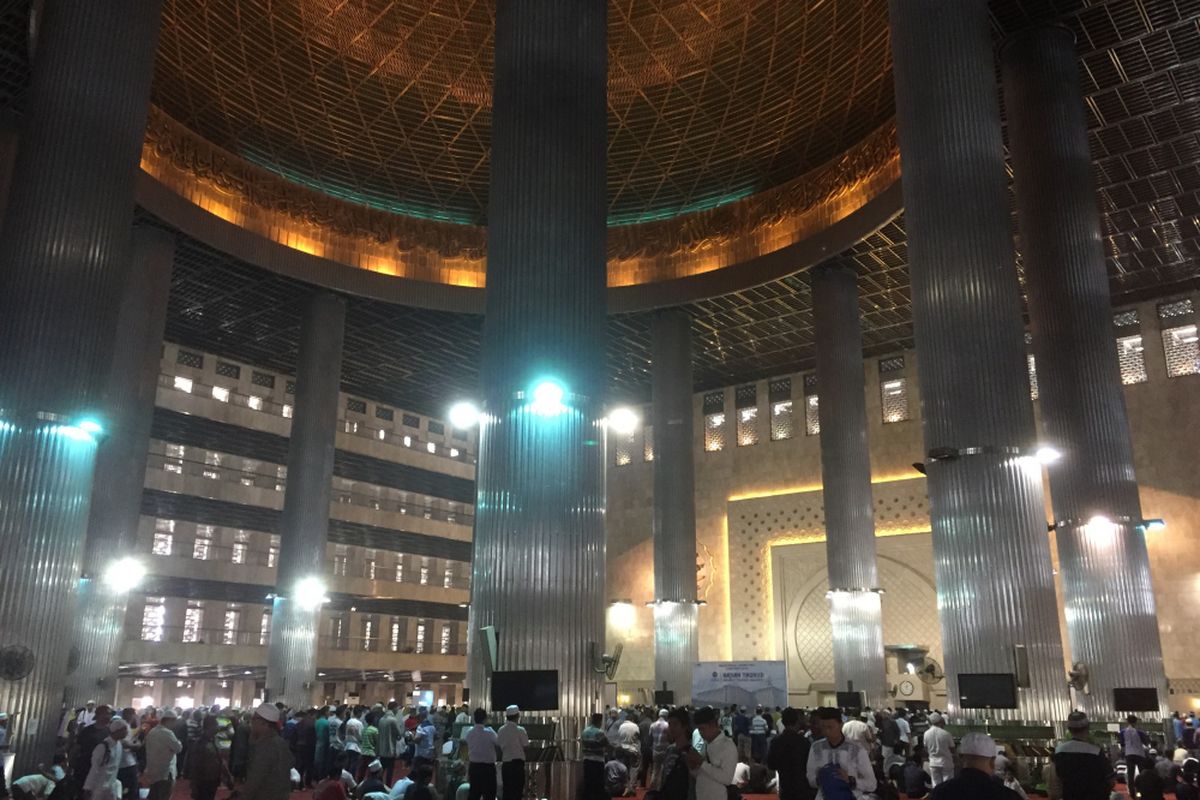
(394, 753)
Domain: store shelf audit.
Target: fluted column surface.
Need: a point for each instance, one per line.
(855, 609)
(1110, 612)
(116, 505)
(538, 567)
(304, 525)
(64, 254)
(676, 648)
(991, 554)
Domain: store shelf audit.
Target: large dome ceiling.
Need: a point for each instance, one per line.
(386, 103)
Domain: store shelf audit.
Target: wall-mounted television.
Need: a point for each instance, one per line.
(531, 690)
(1135, 699)
(987, 690)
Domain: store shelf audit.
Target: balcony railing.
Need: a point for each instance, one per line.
(264, 405)
(206, 636)
(384, 644)
(272, 482)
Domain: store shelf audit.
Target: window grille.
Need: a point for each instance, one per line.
(357, 406)
(1174, 309)
(399, 570)
(264, 629)
(779, 396)
(290, 387)
(340, 563)
(894, 399)
(233, 621)
(162, 544)
(714, 421)
(239, 552)
(368, 633)
(1126, 319)
(154, 619)
(890, 365)
(410, 420)
(1181, 351)
(189, 359)
(420, 636)
(812, 415)
(623, 447)
(648, 443)
(1132, 359)
(445, 639)
(263, 379)
(436, 428)
(192, 622)
(746, 401)
(272, 555)
(200, 549)
(1031, 365)
(386, 414)
(395, 643)
(227, 370)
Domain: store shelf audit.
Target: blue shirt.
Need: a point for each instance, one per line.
(426, 733)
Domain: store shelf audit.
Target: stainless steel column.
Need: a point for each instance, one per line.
(991, 554)
(855, 609)
(64, 254)
(304, 526)
(538, 567)
(121, 468)
(1111, 621)
(676, 648)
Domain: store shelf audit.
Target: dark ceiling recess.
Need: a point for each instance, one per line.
(1140, 62)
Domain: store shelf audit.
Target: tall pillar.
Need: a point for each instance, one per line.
(304, 526)
(854, 601)
(991, 554)
(63, 257)
(676, 648)
(116, 504)
(538, 569)
(1111, 623)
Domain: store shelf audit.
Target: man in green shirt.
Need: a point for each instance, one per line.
(593, 743)
(269, 773)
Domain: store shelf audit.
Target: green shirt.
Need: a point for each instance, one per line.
(593, 742)
(369, 740)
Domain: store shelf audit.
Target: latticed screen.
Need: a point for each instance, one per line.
(780, 401)
(746, 400)
(714, 421)
(894, 399)
(154, 619)
(1181, 351)
(648, 443)
(1033, 387)
(623, 448)
(812, 418)
(1132, 358)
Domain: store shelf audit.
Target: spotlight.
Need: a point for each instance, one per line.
(623, 421)
(1047, 455)
(124, 574)
(463, 415)
(548, 399)
(309, 593)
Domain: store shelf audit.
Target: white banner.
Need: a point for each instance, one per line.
(740, 683)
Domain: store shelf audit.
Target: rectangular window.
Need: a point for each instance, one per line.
(220, 394)
(779, 397)
(264, 629)
(623, 447)
(154, 618)
(368, 630)
(357, 406)
(410, 420)
(263, 379)
(183, 384)
(1132, 358)
(395, 637)
(369, 569)
(162, 544)
(1126, 319)
(746, 401)
(192, 621)
(399, 570)
(812, 415)
(190, 359)
(255, 402)
(648, 443)
(448, 576)
(714, 421)
(272, 555)
(445, 639)
(454, 452)
(1181, 351)
(287, 411)
(340, 564)
(227, 370)
(436, 428)
(239, 552)
(894, 399)
(385, 414)
(233, 621)
(420, 636)
(200, 548)
(431, 447)
(290, 387)
(1031, 365)
(424, 578)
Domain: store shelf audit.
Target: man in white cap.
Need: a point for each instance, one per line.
(269, 773)
(162, 745)
(101, 782)
(374, 781)
(87, 715)
(977, 780)
(939, 744)
(481, 750)
(1080, 764)
(512, 740)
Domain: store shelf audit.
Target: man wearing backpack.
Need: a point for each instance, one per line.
(839, 768)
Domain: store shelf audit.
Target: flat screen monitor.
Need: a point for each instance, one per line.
(664, 697)
(987, 690)
(532, 690)
(1135, 699)
(849, 700)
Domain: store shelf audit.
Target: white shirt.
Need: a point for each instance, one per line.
(354, 732)
(741, 774)
(858, 732)
(905, 730)
(612, 729)
(401, 787)
(103, 770)
(38, 784)
(940, 746)
(161, 748)
(849, 756)
(717, 770)
(85, 718)
(629, 735)
(481, 742)
(513, 740)
(463, 718)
